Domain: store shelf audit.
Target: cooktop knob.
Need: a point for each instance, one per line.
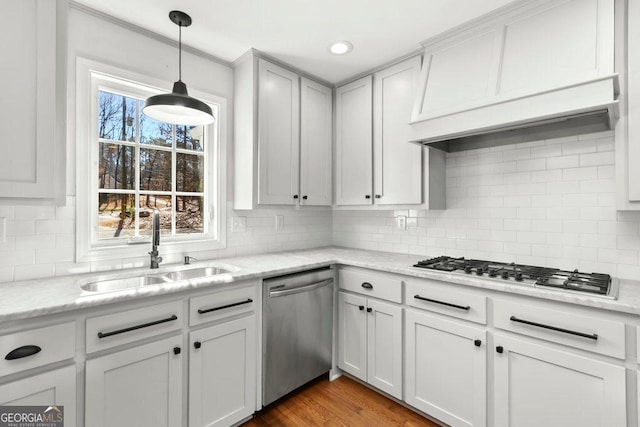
(479, 271)
(518, 276)
(493, 272)
(468, 269)
(505, 274)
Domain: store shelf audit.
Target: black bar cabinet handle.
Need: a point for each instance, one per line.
(367, 285)
(448, 304)
(133, 328)
(554, 328)
(367, 196)
(24, 351)
(305, 197)
(222, 307)
(295, 196)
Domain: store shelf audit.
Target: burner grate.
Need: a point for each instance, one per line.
(593, 283)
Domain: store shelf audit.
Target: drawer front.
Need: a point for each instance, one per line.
(37, 347)
(441, 298)
(563, 327)
(207, 308)
(124, 327)
(366, 282)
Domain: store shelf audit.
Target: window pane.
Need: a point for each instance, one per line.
(155, 170)
(189, 214)
(116, 166)
(190, 137)
(150, 202)
(116, 117)
(155, 132)
(116, 216)
(190, 171)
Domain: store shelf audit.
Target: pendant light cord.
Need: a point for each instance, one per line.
(180, 52)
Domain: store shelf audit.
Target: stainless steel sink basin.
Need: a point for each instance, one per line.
(194, 273)
(123, 283)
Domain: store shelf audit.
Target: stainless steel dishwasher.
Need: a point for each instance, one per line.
(297, 322)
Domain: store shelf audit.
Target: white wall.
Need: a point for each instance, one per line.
(548, 203)
(40, 240)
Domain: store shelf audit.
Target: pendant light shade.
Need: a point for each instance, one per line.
(178, 107)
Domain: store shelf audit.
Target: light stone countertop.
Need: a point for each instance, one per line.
(32, 298)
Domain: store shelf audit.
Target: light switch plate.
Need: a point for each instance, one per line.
(239, 224)
(279, 222)
(401, 222)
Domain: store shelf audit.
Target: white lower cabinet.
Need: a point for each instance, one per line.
(222, 373)
(445, 369)
(57, 387)
(370, 341)
(138, 387)
(537, 385)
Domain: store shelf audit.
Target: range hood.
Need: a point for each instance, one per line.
(530, 70)
(585, 108)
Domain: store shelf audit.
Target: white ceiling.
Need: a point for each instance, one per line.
(299, 32)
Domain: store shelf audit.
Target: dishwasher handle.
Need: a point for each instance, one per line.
(304, 288)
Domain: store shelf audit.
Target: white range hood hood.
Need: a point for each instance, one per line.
(530, 65)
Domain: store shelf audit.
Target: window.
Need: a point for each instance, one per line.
(136, 165)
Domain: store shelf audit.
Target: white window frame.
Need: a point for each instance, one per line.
(92, 76)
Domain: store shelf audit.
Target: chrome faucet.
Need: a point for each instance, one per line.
(156, 259)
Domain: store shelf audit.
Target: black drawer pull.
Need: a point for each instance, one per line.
(133, 328)
(477, 343)
(177, 350)
(361, 307)
(222, 307)
(24, 351)
(367, 285)
(448, 304)
(500, 349)
(554, 328)
(197, 345)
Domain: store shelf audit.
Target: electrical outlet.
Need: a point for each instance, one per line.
(401, 222)
(279, 222)
(239, 224)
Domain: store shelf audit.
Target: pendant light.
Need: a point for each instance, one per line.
(178, 107)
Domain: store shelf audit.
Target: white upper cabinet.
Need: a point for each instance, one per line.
(627, 132)
(316, 168)
(354, 137)
(397, 164)
(526, 64)
(32, 162)
(283, 137)
(278, 134)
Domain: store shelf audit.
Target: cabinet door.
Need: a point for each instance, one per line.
(352, 335)
(397, 163)
(138, 387)
(445, 371)
(315, 144)
(28, 104)
(56, 387)
(537, 385)
(384, 347)
(278, 134)
(354, 155)
(222, 373)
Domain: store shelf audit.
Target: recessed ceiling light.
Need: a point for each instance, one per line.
(341, 48)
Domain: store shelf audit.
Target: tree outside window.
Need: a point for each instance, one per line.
(146, 165)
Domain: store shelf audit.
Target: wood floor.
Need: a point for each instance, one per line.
(343, 402)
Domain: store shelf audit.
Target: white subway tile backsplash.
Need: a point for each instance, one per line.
(556, 209)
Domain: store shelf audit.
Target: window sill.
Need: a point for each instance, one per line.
(142, 249)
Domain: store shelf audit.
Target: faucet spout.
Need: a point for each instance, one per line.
(156, 259)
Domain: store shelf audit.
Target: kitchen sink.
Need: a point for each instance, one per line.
(123, 283)
(194, 273)
(118, 282)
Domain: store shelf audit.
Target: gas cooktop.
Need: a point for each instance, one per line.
(590, 283)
